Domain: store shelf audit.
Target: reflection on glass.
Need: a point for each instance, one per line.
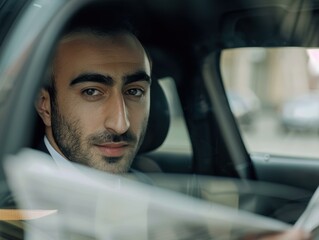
(98, 205)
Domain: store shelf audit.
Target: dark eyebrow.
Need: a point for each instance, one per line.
(93, 77)
(138, 76)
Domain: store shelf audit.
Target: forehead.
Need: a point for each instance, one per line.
(85, 52)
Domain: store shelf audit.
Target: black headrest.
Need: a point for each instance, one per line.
(159, 119)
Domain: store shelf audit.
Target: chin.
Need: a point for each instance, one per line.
(112, 165)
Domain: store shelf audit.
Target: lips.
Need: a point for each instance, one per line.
(113, 149)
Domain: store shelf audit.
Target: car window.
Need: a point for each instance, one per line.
(273, 94)
(86, 203)
(8, 12)
(15, 55)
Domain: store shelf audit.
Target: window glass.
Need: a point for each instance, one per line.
(273, 94)
(8, 12)
(27, 26)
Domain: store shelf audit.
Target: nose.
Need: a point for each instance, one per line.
(117, 121)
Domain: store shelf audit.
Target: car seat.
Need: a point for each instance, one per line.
(157, 129)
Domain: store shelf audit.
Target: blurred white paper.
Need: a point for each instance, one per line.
(98, 205)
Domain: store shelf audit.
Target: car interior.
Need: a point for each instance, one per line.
(186, 41)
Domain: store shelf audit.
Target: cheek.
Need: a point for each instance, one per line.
(138, 117)
(84, 115)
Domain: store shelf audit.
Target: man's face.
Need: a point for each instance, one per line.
(101, 107)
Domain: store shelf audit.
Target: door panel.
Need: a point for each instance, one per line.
(296, 172)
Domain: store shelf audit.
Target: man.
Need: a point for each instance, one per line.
(95, 109)
(96, 106)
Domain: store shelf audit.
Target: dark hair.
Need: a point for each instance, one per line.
(99, 20)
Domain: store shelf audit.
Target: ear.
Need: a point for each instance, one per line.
(43, 107)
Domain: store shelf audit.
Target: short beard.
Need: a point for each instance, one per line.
(67, 136)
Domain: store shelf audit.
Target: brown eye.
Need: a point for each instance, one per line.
(91, 92)
(136, 92)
